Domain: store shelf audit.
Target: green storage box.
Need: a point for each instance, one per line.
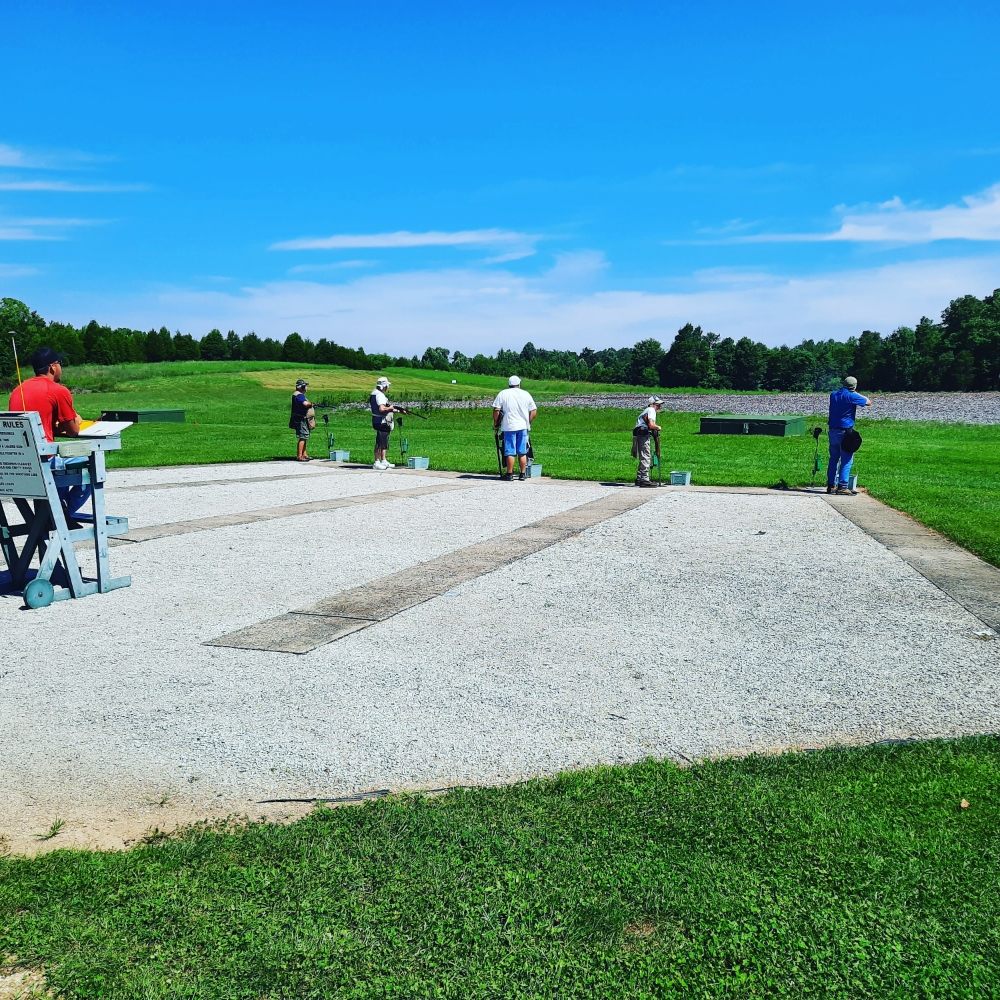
(145, 416)
(733, 423)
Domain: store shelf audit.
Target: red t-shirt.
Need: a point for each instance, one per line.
(52, 401)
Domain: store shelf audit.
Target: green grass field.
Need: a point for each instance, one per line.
(331, 379)
(946, 475)
(845, 873)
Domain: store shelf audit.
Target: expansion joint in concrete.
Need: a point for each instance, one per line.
(339, 615)
(275, 513)
(962, 576)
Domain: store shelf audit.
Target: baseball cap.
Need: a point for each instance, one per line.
(513, 380)
(655, 401)
(44, 357)
(851, 382)
(382, 382)
(301, 383)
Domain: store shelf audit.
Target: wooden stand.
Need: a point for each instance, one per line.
(29, 480)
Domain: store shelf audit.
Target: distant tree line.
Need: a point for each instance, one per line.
(961, 352)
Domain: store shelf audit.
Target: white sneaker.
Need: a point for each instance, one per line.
(388, 465)
(380, 466)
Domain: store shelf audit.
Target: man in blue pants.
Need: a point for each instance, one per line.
(844, 403)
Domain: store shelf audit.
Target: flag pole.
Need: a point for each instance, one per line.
(17, 368)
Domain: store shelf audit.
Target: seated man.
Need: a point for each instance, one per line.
(53, 402)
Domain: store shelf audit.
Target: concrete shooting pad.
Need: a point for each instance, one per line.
(301, 632)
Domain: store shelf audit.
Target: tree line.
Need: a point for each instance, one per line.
(961, 352)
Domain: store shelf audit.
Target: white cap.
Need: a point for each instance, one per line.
(655, 401)
(382, 383)
(513, 380)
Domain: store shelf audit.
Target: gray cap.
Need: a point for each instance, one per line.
(513, 380)
(655, 401)
(851, 382)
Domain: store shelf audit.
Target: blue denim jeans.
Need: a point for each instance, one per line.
(72, 497)
(839, 458)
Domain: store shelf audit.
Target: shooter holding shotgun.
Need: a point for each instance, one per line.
(513, 413)
(382, 421)
(645, 429)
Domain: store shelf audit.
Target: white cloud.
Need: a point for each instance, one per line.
(14, 156)
(11, 233)
(339, 265)
(406, 239)
(11, 156)
(40, 228)
(17, 271)
(576, 267)
(471, 310)
(72, 187)
(512, 255)
(975, 218)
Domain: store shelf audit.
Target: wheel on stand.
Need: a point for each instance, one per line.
(39, 594)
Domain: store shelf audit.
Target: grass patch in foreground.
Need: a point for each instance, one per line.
(848, 873)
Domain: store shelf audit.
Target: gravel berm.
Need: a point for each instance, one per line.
(949, 407)
(946, 407)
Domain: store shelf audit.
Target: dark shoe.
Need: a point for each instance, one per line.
(521, 477)
(845, 491)
(507, 477)
(646, 484)
(829, 489)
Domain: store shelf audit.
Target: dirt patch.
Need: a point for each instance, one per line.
(22, 984)
(151, 822)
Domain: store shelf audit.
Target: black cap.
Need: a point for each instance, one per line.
(42, 358)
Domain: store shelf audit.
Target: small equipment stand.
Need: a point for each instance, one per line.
(27, 478)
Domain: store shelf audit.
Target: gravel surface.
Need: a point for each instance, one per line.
(576, 655)
(950, 407)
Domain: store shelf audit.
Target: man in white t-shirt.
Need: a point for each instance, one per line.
(645, 427)
(382, 411)
(513, 412)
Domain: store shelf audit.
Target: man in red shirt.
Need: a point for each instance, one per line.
(47, 396)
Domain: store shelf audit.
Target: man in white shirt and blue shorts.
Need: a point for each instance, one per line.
(513, 412)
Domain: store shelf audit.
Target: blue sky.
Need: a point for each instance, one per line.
(475, 176)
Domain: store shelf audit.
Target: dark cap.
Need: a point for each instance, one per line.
(301, 384)
(42, 358)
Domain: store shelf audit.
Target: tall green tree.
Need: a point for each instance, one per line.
(749, 364)
(643, 366)
(294, 349)
(689, 359)
(866, 357)
(897, 361)
(436, 358)
(185, 347)
(160, 345)
(214, 347)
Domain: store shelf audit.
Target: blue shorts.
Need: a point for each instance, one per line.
(515, 443)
